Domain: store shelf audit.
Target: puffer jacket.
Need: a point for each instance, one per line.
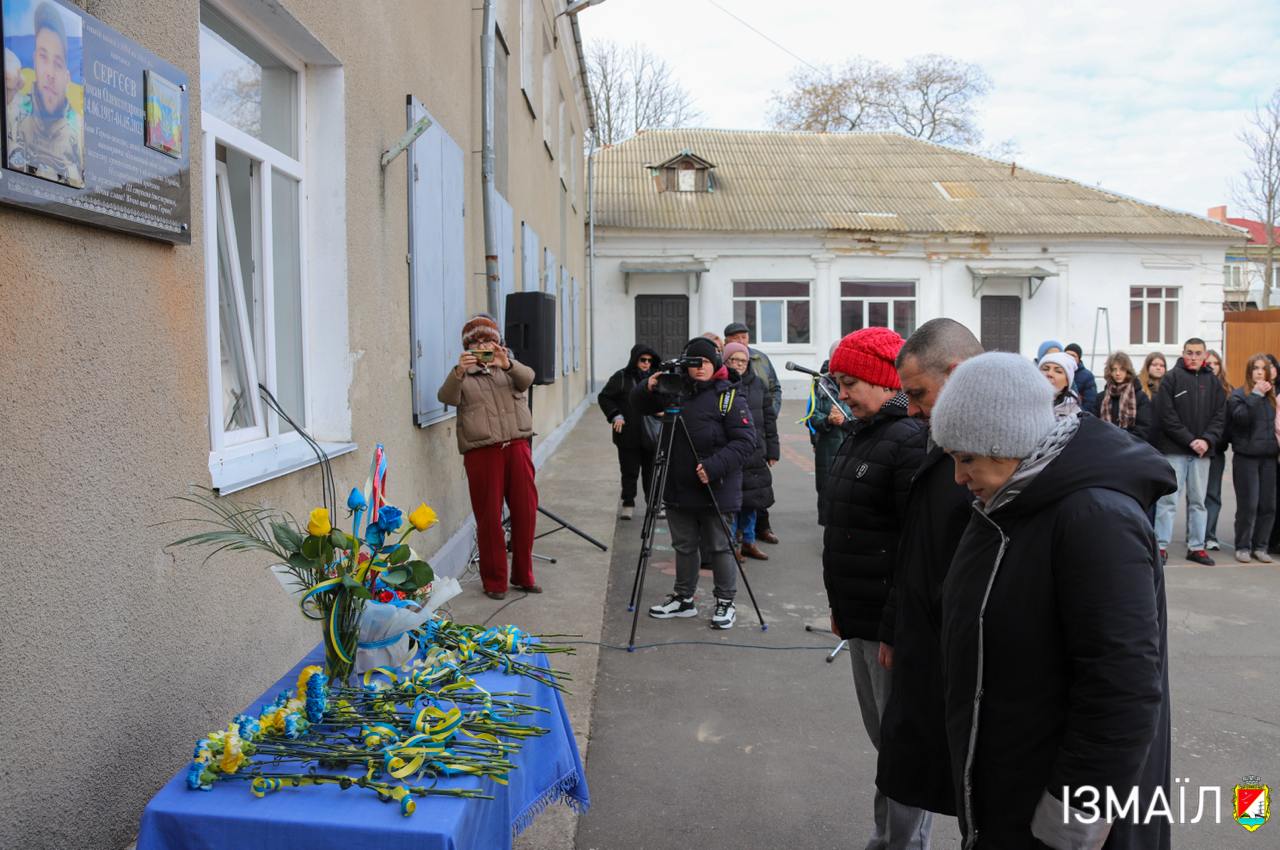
(723, 442)
(863, 513)
(757, 478)
(493, 404)
(1055, 649)
(1141, 427)
(825, 438)
(1253, 424)
(615, 399)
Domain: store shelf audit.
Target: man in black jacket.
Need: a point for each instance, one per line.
(635, 454)
(719, 427)
(1190, 413)
(863, 514)
(914, 767)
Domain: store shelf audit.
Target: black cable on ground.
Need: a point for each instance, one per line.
(823, 647)
(502, 607)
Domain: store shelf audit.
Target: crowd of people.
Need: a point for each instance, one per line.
(952, 487)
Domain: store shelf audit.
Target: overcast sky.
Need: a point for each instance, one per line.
(1139, 97)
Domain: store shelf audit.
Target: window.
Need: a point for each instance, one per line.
(774, 312)
(548, 93)
(566, 321)
(272, 140)
(1153, 315)
(1234, 277)
(571, 156)
(688, 180)
(252, 116)
(500, 107)
(562, 150)
(577, 324)
(530, 57)
(531, 256)
(877, 305)
(438, 268)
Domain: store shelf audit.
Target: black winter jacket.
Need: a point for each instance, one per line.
(914, 766)
(724, 443)
(1189, 406)
(864, 511)
(1055, 650)
(1141, 427)
(1086, 386)
(615, 399)
(1253, 424)
(757, 478)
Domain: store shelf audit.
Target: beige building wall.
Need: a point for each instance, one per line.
(119, 653)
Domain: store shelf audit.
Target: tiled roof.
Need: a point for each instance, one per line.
(784, 181)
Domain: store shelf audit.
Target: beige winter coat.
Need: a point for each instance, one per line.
(492, 408)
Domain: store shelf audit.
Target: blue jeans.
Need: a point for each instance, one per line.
(1193, 481)
(745, 521)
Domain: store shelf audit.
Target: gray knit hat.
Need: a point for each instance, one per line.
(995, 404)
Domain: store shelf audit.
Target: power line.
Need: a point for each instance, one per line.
(767, 38)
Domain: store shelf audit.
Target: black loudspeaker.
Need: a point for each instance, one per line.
(531, 333)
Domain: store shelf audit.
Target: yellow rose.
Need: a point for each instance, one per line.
(319, 524)
(422, 517)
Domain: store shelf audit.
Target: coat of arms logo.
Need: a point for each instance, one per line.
(1252, 803)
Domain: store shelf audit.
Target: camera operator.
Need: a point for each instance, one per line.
(488, 387)
(718, 423)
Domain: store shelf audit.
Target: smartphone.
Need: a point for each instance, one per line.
(483, 355)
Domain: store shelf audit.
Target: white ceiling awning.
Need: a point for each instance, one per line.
(1034, 275)
(692, 267)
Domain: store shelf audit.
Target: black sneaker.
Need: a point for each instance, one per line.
(724, 614)
(1200, 556)
(674, 606)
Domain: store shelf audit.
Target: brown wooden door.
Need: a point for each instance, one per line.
(1002, 323)
(662, 321)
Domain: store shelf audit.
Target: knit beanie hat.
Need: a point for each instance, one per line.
(1066, 361)
(996, 404)
(1045, 346)
(480, 328)
(700, 346)
(868, 355)
(736, 348)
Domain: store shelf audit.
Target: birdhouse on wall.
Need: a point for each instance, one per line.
(684, 172)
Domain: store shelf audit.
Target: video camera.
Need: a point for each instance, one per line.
(674, 383)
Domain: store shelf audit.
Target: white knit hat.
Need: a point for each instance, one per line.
(1066, 361)
(995, 404)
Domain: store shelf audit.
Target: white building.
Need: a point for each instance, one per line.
(806, 237)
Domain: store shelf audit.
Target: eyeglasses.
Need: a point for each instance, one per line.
(645, 360)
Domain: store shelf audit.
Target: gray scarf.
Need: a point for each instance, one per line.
(1045, 452)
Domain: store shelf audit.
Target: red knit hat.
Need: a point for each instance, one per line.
(868, 355)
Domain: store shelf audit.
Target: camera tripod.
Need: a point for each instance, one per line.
(672, 422)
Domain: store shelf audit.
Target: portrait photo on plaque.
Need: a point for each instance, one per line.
(164, 115)
(43, 90)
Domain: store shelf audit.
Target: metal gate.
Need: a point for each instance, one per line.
(662, 321)
(1002, 323)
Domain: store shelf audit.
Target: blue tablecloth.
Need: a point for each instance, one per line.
(229, 817)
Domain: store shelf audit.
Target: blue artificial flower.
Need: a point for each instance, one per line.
(195, 778)
(317, 697)
(202, 744)
(356, 501)
(249, 726)
(294, 725)
(373, 535)
(390, 518)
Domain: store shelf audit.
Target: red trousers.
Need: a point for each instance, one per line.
(494, 474)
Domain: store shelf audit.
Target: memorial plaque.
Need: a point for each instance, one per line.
(95, 125)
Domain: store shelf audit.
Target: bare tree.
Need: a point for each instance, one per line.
(1258, 189)
(830, 100)
(632, 89)
(930, 97)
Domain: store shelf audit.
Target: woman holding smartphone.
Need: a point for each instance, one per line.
(490, 390)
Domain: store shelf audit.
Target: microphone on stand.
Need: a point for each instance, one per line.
(792, 366)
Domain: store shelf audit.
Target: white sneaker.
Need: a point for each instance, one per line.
(1261, 555)
(674, 606)
(1212, 545)
(627, 511)
(724, 614)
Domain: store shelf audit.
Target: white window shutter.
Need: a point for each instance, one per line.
(576, 321)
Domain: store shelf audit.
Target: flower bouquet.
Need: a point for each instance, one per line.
(334, 572)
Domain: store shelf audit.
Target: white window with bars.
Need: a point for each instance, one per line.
(1153, 315)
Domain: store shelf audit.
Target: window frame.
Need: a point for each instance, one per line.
(891, 300)
(240, 462)
(530, 55)
(1164, 300)
(786, 300)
